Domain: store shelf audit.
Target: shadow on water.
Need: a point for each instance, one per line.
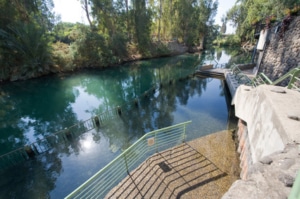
(151, 94)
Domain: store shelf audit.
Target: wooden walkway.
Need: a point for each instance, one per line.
(245, 74)
(215, 73)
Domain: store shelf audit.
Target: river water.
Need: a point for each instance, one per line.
(166, 94)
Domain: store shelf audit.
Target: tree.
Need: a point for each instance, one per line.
(223, 27)
(85, 7)
(25, 50)
(190, 19)
(142, 22)
(116, 27)
(245, 13)
(24, 39)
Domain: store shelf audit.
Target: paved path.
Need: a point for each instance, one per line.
(203, 168)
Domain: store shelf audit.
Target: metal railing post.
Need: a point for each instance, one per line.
(155, 142)
(294, 78)
(295, 193)
(105, 179)
(124, 155)
(184, 132)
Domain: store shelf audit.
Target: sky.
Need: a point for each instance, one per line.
(224, 6)
(71, 11)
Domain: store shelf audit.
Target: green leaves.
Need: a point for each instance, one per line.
(119, 30)
(25, 49)
(24, 38)
(249, 12)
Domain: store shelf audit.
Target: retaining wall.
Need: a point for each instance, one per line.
(269, 123)
(282, 52)
(269, 141)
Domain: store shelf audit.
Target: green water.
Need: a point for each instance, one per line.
(33, 109)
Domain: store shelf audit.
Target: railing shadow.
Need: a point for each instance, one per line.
(170, 174)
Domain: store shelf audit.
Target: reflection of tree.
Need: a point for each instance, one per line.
(237, 56)
(190, 88)
(219, 54)
(46, 104)
(129, 82)
(155, 107)
(8, 123)
(34, 107)
(154, 111)
(33, 179)
(42, 106)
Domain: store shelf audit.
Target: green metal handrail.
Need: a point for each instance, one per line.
(263, 79)
(295, 78)
(295, 193)
(108, 177)
(238, 74)
(260, 79)
(293, 74)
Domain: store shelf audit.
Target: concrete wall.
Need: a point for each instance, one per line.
(268, 142)
(282, 53)
(268, 122)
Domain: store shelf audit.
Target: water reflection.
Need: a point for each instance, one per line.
(85, 103)
(42, 107)
(227, 56)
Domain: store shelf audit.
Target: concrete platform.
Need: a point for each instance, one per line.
(272, 114)
(203, 168)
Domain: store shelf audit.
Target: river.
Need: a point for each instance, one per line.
(151, 94)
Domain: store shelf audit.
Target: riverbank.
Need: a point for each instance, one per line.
(65, 61)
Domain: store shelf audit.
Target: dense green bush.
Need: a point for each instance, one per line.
(89, 48)
(25, 51)
(227, 40)
(118, 44)
(34, 42)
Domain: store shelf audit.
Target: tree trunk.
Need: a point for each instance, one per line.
(127, 20)
(201, 41)
(159, 20)
(86, 9)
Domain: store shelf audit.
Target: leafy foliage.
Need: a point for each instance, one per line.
(24, 39)
(245, 13)
(118, 31)
(62, 32)
(25, 45)
(118, 45)
(89, 49)
(142, 20)
(227, 40)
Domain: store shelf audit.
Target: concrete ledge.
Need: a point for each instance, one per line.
(269, 142)
(266, 111)
(232, 83)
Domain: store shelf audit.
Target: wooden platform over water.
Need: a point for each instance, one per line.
(233, 79)
(214, 72)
